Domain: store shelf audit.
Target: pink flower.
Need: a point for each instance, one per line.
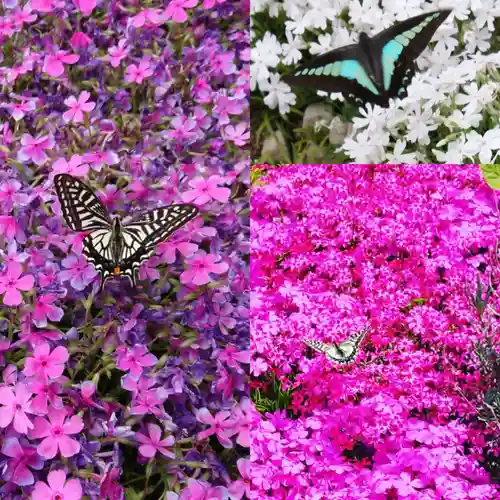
(85, 6)
(44, 309)
(117, 53)
(219, 425)
(205, 190)
(42, 5)
(19, 109)
(80, 41)
(45, 364)
(21, 456)
(77, 107)
(54, 64)
(152, 16)
(46, 392)
(74, 167)
(11, 284)
(58, 488)
(241, 487)
(139, 73)
(200, 267)
(243, 415)
(56, 430)
(237, 134)
(11, 229)
(135, 359)
(34, 148)
(11, 195)
(153, 443)
(16, 404)
(175, 10)
(201, 490)
(78, 272)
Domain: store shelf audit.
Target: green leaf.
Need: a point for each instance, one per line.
(131, 494)
(491, 174)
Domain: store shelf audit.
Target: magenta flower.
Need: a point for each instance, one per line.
(11, 195)
(201, 490)
(243, 415)
(175, 10)
(117, 53)
(77, 107)
(85, 6)
(16, 404)
(153, 443)
(44, 364)
(205, 190)
(21, 456)
(34, 148)
(135, 359)
(44, 309)
(11, 229)
(200, 267)
(75, 167)
(58, 488)
(78, 272)
(80, 41)
(148, 402)
(56, 430)
(11, 283)
(241, 486)
(54, 64)
(139, 73)
(237, 134)
(46, 392)
(147, 16)
(19, 109)
(42, 5)
(220, 425)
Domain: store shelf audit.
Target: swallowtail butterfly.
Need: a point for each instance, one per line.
(114, 248)
(375, 69)
(345, 352)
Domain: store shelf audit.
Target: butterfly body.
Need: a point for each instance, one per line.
(377, 68)
(115, 248)
(343, 353)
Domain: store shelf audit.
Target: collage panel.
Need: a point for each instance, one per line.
(374, 331)
(356, 81)
(124, 249)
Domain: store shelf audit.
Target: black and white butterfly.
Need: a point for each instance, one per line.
(114, 248)
(375, 69)
(345, 352)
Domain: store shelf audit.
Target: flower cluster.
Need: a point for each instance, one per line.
(124, 391)
(397, 248)
(451, 114)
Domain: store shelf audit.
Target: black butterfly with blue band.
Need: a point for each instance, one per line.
(375, 69)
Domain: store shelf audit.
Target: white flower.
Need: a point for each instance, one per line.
(455, 153)
(477, 40)
(374, 118)
(419, 125)
(398, 157)
(476, 98)
(463, 120)
(267, 51)
(483, 146)
(325, 44)
(279, 94)
(485, 12)
(291, 50)
(366, 147)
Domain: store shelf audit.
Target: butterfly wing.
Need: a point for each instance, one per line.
(400, 45)
(141, 236)
(81, 208)
(98, 249)
(340, 70)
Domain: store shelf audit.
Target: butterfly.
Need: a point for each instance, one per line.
(375, 69)
(343, 353)
(112, 247)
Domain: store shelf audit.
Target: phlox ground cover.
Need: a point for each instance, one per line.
(136, 393)
(451, 114)
(411, 252)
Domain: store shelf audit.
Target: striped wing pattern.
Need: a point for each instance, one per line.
(112, 248)
(141, 236)
(81, 208)
(345, 352)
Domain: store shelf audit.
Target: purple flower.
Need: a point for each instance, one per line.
(34, 148)
(23, 457)
(78, 272)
